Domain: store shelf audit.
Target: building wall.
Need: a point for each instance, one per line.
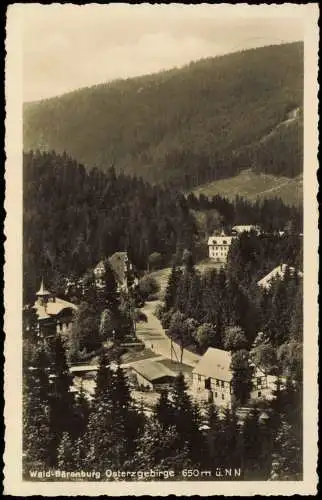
(219, 252)
(263, 388)
(220, 388)
(143, 382)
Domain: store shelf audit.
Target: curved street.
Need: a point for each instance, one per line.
(154, 337)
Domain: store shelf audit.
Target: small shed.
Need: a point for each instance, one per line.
(151, 375)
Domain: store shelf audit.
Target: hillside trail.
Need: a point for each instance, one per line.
(290, 118)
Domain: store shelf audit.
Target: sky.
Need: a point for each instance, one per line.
(65, 46)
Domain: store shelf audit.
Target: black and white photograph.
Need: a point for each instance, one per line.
(164, 235)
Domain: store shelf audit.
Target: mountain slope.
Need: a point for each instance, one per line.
(253, 186)
(186, 126)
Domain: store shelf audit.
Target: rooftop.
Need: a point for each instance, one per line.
(215, 363)
(245, 227)
(220, 240)
(277, 272)
(152, 370)
(42, 290)
(53, 308)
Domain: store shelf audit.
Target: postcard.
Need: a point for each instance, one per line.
(161, 253)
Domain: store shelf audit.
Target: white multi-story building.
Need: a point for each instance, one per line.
(219, 247)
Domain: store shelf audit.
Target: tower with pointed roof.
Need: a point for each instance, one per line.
(43, 295)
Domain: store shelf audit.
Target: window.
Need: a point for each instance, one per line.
(199, 378)
(207, 383)
(216, 394)
(223, 396)
(217, 383)
(259, 394)
(259, 381)
(222, 383)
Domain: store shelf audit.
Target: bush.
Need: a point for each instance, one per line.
(159, 311)
(148, 286)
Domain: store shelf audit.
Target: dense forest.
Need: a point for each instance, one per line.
(73, 218)
(185, 127)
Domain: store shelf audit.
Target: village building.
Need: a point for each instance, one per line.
(151, 375)
(54, 315)
(212, 376)
(277, 273)
(237, 230)
(219, 247)
(121, 267)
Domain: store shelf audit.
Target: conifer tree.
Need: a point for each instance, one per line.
(186, 419)
(113, 424)
(163, 410)
(160, 448)
(36, 423)
(252, 447)
(172, 287)
(61, 398)
(230, 440)
(242, 376)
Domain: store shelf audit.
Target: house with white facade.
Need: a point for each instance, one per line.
(213, 374)
(219, 247)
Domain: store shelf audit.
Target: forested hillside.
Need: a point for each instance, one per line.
(73, 218)
(188, 126)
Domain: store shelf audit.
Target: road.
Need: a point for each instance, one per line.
(154, 337)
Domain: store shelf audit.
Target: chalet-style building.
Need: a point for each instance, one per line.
(219, 247)
(277, 272)
(54, 315)
(237, 230)
(121, 267)
(212, 374)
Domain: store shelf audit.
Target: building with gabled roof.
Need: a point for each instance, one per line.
(213, 376)
(120, 265)
(151, 374)
(245, 228)
(54, 315)
(277, 273)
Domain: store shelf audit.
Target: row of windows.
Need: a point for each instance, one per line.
(219, 383)
(222, 396)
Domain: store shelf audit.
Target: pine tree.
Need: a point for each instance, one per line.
(160, 448)
(66, 458)
(186, 419)
(253, 447)
(61, 398)
(163, 410)
(287, 454)
(172, 287)
(36, 424)
(113, 424)
(242, 376)
(230, 441)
